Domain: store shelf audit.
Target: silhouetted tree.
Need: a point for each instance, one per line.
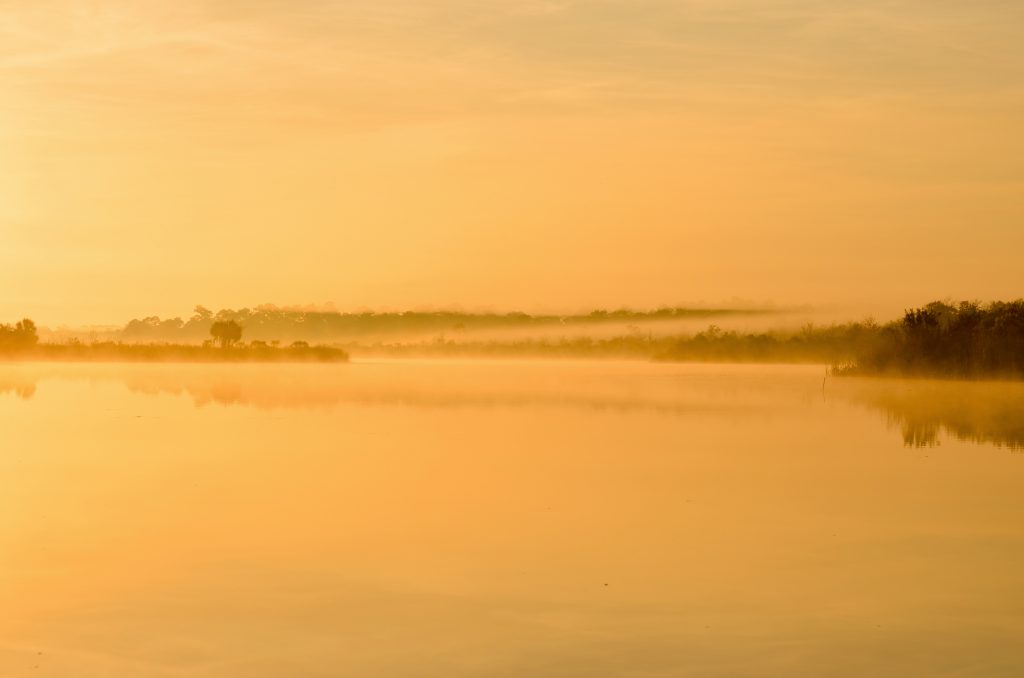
(29, 336)
(20, 337)
(965, 340)
(226, 332)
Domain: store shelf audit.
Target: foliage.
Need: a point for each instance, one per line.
(965, 340)
(226, 332)
(19, 337)
(827, 344)
(21, 341)
(271, 323)
(809, 344)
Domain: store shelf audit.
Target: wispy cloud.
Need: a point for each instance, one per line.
(473, 57)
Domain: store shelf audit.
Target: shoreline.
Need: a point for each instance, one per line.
(174, 353)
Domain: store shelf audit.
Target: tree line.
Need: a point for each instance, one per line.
(224, 345)
(943, 339)
(21, 336)
(966, 340)
(272, 323)
(960, 340)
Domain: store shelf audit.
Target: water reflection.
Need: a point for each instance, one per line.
(440, 384)
(23, 388)
(483, 520)
(923, 410)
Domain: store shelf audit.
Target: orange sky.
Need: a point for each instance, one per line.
(537, 154)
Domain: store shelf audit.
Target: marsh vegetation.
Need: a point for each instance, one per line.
(225, 344)
(267, 322)
(965, 340)
(942, 339)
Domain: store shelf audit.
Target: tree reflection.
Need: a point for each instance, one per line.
(979, 412)
(922, 411)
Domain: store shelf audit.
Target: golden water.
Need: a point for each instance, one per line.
(511, 519)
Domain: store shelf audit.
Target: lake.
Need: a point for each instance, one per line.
(502, 518)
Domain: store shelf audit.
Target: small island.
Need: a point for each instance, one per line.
(21, 342)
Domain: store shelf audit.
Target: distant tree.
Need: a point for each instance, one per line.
(29, 334)
(226, 332)
(21, 336)
(967, 340)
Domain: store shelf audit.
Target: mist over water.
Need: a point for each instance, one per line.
(506, 518)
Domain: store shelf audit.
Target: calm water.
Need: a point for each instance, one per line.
(514, 519)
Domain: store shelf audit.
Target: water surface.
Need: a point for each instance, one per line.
(506, 519)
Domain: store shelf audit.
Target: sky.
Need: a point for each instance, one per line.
(528, 154)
